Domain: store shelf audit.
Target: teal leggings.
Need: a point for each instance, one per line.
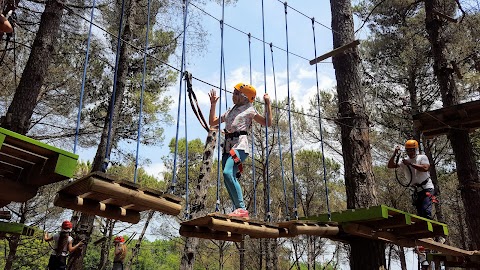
(229, 176)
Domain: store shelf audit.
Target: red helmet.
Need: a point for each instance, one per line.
(67, 225)
(119, 239)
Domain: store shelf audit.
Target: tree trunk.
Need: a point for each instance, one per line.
(354, 124)
(106, 245)
(403, 260)
(459, 139)
(14, 240)
(29, 88)
(199, 199)
(136, 249)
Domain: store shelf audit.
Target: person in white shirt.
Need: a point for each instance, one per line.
(235, 149)
(62, 247)
(416, 167)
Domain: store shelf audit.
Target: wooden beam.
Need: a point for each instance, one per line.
(243, 227)
(335, 52)
(443, 16)
(15, 191)
(5, 215)
(206, 233)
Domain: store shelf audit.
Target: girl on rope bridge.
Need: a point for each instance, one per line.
(235, 149)
(62, 247)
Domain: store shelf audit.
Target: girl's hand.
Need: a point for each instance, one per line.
(213, 96)
(266, 98)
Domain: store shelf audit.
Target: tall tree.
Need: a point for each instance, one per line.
(354, 125)
(467, 171)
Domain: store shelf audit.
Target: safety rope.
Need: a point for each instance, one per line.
(82, 89)
(194, 102)
(295, 211)
(182, 66)
(320, 125)
(268, 214)
(112, 98)
(219, 151)
(253, 136)
(287, 213)
(139, 129)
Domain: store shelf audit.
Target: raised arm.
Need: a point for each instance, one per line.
(212, 119)
(267, 119)
(72, 248)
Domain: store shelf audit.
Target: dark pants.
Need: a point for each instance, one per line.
(423, 203)
(57, 262)
(117, 266)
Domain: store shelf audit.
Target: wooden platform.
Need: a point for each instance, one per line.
(16, 228)
(105, 195)
(223, 227)
(306, 227)
(26, 164)
(467, 261)
(437, 122)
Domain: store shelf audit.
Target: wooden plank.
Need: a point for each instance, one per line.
(207, 233)
(335, 52)
(444, 16)
(431, 244)
(103, 188)
(5, 215)
(305, 227)
(32, 145)
(93, 208)
(244, 227)
(362, 214)
(16, 191)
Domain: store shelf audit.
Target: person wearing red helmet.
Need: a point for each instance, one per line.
(120, 253)
(416, 167)
(238, 121)
(63, 245)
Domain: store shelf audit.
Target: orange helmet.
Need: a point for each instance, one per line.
(248, 90)
(411, 144)
(67, 226)
(119, 239)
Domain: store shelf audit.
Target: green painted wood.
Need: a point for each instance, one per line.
(350, 215)
(2, 138)
(16, 228)
(66, 165)
(37, 143)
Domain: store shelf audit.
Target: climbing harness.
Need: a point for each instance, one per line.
(238, 162)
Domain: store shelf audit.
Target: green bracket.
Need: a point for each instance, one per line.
(16, 228)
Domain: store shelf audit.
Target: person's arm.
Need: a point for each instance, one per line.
(47, 238)
(419, 167)
(267, 120)
(72, 248)
(212, 119)
(5, 25)
(391, 162)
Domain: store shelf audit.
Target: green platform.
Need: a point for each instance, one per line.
(387, 220)
(26, 164)
(16, 228)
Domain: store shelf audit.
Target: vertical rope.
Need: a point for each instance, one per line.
(112, 98)
(269, 215)
(290, 120)
(277, 111)
(139, 130)
(225, 83)
(182, 66)
(253, 137)
(320, 124)
(219, 151)
(82, 90)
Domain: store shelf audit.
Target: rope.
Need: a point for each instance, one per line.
(174, 173)
(219, 152)
(253, 137)
(112, 98)
(295, 211)
(287, 213)
(269, 215)
(139, 130)
(320, 125)
(82, 89)
(195, 107)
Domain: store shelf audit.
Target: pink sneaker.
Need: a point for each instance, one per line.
(242, 213)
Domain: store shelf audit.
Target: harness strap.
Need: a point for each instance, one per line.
(237, 161)
(235, 134)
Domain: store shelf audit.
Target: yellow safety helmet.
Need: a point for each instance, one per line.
(411, 144)
(248, 90)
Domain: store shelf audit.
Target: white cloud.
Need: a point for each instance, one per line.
(155, 169)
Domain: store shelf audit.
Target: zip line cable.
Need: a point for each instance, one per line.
(219, 135)
(268, 218)
(295, 211)
(139, 129)
(82, 89)
(114, 92)
(320, 125)
(287, 213)
(253, 137)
